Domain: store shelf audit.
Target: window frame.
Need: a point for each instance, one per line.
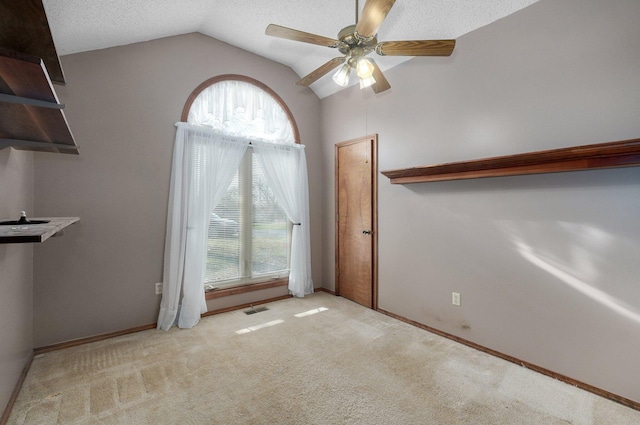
(241, 288)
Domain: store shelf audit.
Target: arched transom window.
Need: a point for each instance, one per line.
(241, 106)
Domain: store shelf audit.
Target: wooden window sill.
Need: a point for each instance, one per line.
(243, 289)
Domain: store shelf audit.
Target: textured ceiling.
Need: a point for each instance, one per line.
(83, 25)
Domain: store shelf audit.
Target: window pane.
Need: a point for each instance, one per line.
(249, 235)
(223, 247)
(269, 251)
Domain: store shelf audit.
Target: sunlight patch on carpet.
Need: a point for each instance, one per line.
(258, 327)
(311, 312)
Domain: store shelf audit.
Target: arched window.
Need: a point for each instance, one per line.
(240, 105)
(249, 236)
(239, 203)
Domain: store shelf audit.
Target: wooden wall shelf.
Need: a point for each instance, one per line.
(30, 233)
(24, 28)
(31, 117)
(623, 153)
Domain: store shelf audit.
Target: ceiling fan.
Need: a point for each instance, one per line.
(355, 42)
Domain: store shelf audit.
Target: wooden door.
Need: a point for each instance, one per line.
(356, 220)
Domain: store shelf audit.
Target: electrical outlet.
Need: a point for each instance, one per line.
(455, 298)
(158, 288)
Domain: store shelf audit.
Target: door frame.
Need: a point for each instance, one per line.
(373, 139)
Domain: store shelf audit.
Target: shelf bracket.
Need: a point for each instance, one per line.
(7, 143)
(9, 98)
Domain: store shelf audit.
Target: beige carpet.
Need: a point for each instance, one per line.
(337, 363)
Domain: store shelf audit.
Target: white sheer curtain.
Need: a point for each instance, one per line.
(204, 163)
(285, 168)
(208, 150)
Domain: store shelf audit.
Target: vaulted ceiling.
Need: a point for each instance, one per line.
(84, 25)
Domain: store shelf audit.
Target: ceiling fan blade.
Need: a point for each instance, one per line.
(305, 37)
(416, 48)
(373, 14)
(320, 72)
(381, 83)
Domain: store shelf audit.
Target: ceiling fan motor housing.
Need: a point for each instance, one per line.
(350, 40)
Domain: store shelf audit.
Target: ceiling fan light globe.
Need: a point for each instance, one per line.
(341, 77)
(366, 82)
(364, 68)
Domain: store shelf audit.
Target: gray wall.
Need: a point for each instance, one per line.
(16, 273)
(547, 265)
(122, 104)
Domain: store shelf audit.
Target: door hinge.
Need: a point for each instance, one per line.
(337, 271)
